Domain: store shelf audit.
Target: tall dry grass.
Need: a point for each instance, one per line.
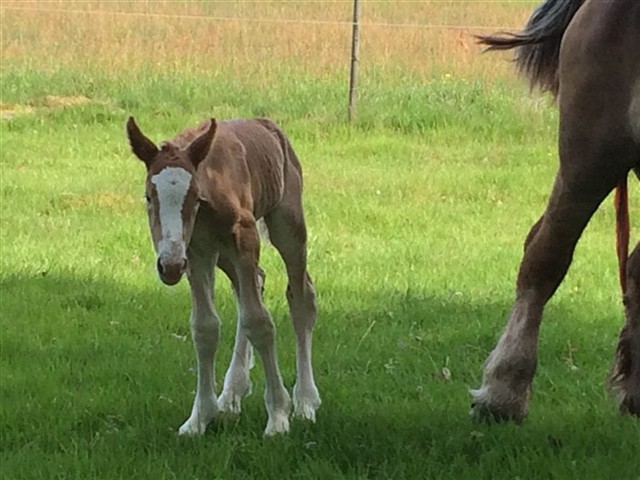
(305, 36)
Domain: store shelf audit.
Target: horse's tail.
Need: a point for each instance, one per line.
(538, 45)
(621, 202)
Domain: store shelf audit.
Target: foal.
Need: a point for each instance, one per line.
(205, 190)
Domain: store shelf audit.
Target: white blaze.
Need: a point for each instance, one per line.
(172, 185)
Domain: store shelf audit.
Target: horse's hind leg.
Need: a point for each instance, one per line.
(625, 375)
(580, 186)
(237, 384)
(288, 234)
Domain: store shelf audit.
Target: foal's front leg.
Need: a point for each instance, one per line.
(237, 384)
(205, 331)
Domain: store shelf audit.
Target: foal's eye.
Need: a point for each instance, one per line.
(147, 198)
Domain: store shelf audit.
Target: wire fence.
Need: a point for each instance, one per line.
(149, 10)
(213, 18)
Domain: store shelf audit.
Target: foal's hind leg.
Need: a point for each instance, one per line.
(256, 323)
(625, 376)
(288, 234)
(581, 185)
(236, 381)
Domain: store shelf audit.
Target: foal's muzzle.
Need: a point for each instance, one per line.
(171, 270)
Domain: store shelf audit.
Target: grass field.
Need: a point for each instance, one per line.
(416, 213)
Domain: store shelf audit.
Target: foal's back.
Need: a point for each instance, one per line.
(265, 157)
(245, 168)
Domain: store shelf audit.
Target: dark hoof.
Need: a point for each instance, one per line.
(483, 413)
(630, 406)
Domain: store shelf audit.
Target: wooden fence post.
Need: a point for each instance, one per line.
(355, 54)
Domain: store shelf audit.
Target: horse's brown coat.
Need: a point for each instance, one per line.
(586, 53)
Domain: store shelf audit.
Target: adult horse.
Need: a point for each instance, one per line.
(586, 53)
(205, 189)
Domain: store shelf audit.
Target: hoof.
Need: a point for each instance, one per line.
(483, 410)
(305, 403)
(230, 400)
(305, 412)
(193, 427)
(483, 413)
(230, 403)
(630, 406)
(202, 413)
(278, 424)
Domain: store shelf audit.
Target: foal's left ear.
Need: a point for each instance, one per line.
(142, 147)
(198, 149)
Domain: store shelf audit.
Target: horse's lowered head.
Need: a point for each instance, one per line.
(172, 194)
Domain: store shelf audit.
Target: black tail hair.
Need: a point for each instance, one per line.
(538, 44)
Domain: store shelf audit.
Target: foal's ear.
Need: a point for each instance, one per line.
(141, 146)
(198, 149)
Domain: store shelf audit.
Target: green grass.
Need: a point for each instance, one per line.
(416, 215)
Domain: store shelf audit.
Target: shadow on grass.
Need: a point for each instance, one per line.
(108, 370)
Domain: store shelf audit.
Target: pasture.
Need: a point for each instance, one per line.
(416, 215)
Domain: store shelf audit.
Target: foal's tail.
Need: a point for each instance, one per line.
(538, 45)
(621, 202)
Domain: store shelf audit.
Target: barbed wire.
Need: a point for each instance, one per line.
(255, 19)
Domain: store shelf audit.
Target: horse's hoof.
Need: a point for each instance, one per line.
(277, 424)
(483, 411)
(630, 406)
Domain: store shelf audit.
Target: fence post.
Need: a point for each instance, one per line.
(355, 54)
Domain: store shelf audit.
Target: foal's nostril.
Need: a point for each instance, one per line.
(160, 267)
